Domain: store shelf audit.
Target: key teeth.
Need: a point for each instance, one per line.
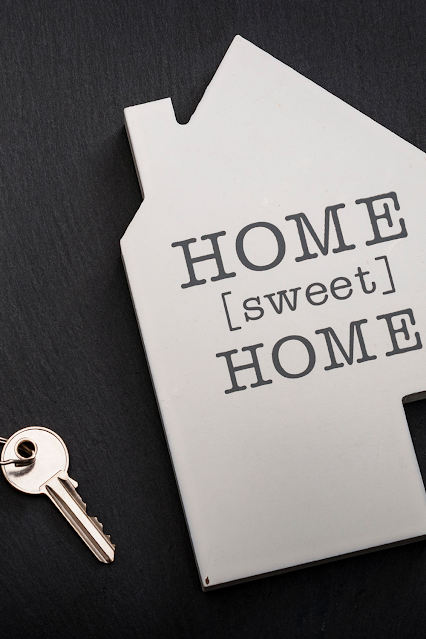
(101, 528)
(94, 519)
(97, 523)
(69, 485)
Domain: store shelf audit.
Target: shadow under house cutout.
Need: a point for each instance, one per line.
(277, 268)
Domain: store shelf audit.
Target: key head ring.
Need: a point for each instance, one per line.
(41, 444)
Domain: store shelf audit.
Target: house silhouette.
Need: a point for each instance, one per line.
(277, 268)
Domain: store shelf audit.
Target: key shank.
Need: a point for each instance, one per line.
(61, 490)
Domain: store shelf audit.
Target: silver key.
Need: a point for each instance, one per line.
(48, 474)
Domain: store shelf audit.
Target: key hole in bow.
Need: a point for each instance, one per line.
(26, 449)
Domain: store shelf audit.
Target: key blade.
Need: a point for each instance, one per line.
(61, 490)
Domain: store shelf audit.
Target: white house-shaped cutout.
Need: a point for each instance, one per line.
(280, 359)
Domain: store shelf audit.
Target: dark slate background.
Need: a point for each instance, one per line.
(70, 353)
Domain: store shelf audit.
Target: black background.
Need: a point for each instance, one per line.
(70, 352)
